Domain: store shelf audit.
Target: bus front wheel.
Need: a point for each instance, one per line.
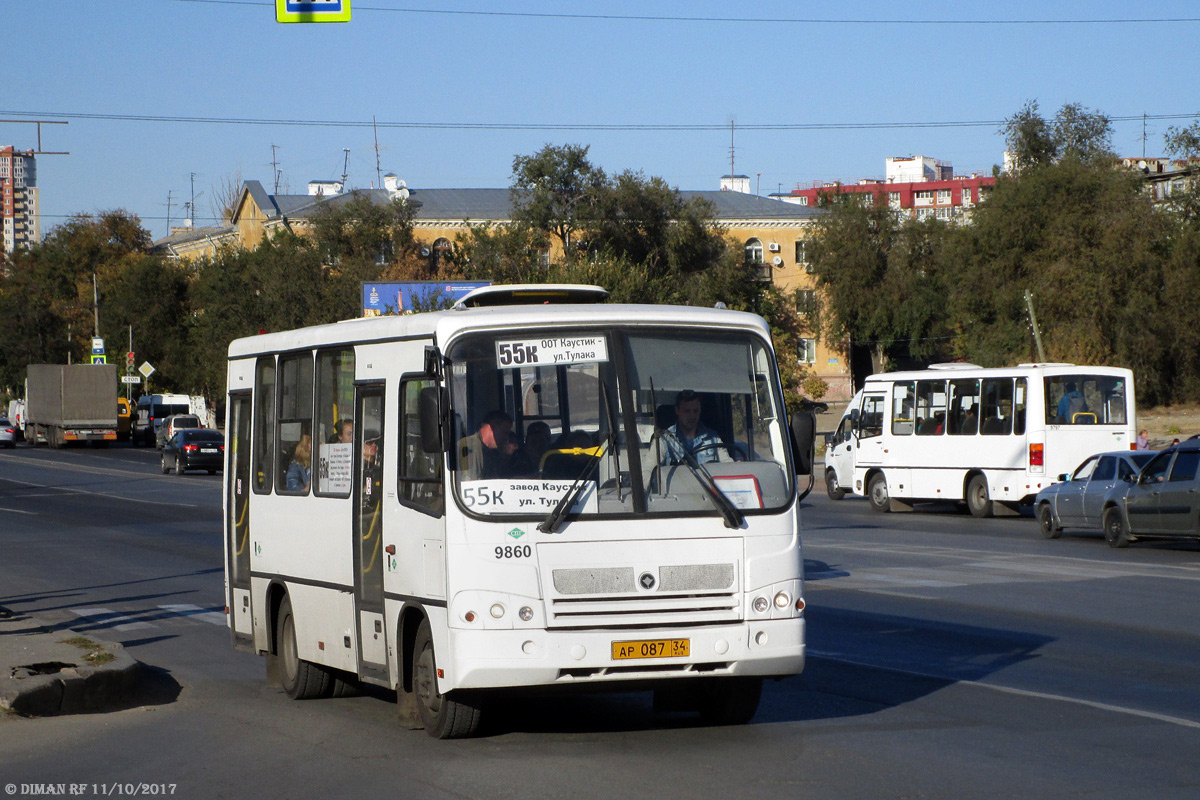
(302, 680)
(443, 717)
(877, 492)
(977, 497)
(832, 487)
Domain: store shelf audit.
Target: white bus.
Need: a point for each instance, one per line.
(416, 556)
(991, 437)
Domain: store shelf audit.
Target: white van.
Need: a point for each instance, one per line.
(152, 409)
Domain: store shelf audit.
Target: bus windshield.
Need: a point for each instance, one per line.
(618, 422)
(1086, 400)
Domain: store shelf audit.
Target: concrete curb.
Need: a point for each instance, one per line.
(42, 673)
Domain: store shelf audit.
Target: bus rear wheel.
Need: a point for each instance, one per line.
(444, 717)
(977, 497)
(877, 492)
(302, 680)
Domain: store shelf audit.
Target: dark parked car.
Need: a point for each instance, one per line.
(194, 448)
(1077, 500)
(1161, 500)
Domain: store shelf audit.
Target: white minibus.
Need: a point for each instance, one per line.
(990, 437)
(457, 503)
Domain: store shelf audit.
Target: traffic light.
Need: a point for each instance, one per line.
(129, 361)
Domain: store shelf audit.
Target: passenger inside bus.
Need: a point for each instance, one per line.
(299, 471)
(488, 452)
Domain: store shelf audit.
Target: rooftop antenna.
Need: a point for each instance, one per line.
(275, 166)
(378, 176)
(732, 172)
(345, 167)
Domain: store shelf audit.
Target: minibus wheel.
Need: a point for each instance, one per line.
(832, 488)
(877, 492)
(443, 716)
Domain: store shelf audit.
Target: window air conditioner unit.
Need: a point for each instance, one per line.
(773, 247)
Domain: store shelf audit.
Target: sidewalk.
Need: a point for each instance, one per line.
(44, 671)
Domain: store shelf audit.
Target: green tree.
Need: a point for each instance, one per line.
(1087, 242)
(556, 190)
(1075, 133)
(880, 278)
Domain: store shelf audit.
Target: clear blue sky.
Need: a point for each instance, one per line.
(696, 64)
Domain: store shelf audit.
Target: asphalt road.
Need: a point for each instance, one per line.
(949, 657)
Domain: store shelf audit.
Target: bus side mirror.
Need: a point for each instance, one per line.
(803, 428)
(430, 403)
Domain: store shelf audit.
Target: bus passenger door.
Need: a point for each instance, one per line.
(870, 430)
(369, 446)
(237, 522)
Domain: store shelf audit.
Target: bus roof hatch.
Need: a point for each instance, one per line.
(531, 294)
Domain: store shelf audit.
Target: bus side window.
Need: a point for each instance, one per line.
(294, 424)
(903, 403)
(419, 473)
(870, 422)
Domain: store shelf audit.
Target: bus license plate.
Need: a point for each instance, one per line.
(651, 648)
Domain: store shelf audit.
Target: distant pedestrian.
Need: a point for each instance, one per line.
(1174, 442)
(1143, 440)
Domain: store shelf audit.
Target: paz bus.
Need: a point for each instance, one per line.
(424, 554)
(990, 437)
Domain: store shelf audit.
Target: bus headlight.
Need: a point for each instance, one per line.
(526, 613)
(497, 610)
(782, 600)
(761, 605)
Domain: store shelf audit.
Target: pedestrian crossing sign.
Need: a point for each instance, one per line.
(312, 10)
(99, 359)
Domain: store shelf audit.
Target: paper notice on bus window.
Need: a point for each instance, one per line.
(551, 350)
(742, 490)
(334, 468)
(529, 496)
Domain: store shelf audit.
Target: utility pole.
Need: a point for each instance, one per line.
(378, 172)
(1037, 334)
(275, 166)
(169, 211)
(193, 214)
(345, 167)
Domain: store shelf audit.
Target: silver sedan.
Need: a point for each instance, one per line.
(8, 433)
(1077, 500)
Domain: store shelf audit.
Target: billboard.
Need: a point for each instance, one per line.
(379, 298)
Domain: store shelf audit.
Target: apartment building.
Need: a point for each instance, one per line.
(20, 221)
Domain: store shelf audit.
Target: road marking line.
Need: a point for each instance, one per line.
(1136, 712)
(19, 511)
(110, 618)
(202, 614)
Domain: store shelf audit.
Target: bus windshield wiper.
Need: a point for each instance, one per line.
(567, 501)
(732, 515)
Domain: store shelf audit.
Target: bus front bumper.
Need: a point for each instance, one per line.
(481, 659)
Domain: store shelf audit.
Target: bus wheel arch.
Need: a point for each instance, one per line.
(832, 488)
(979, 500)
(300, 679)
(444, 716)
